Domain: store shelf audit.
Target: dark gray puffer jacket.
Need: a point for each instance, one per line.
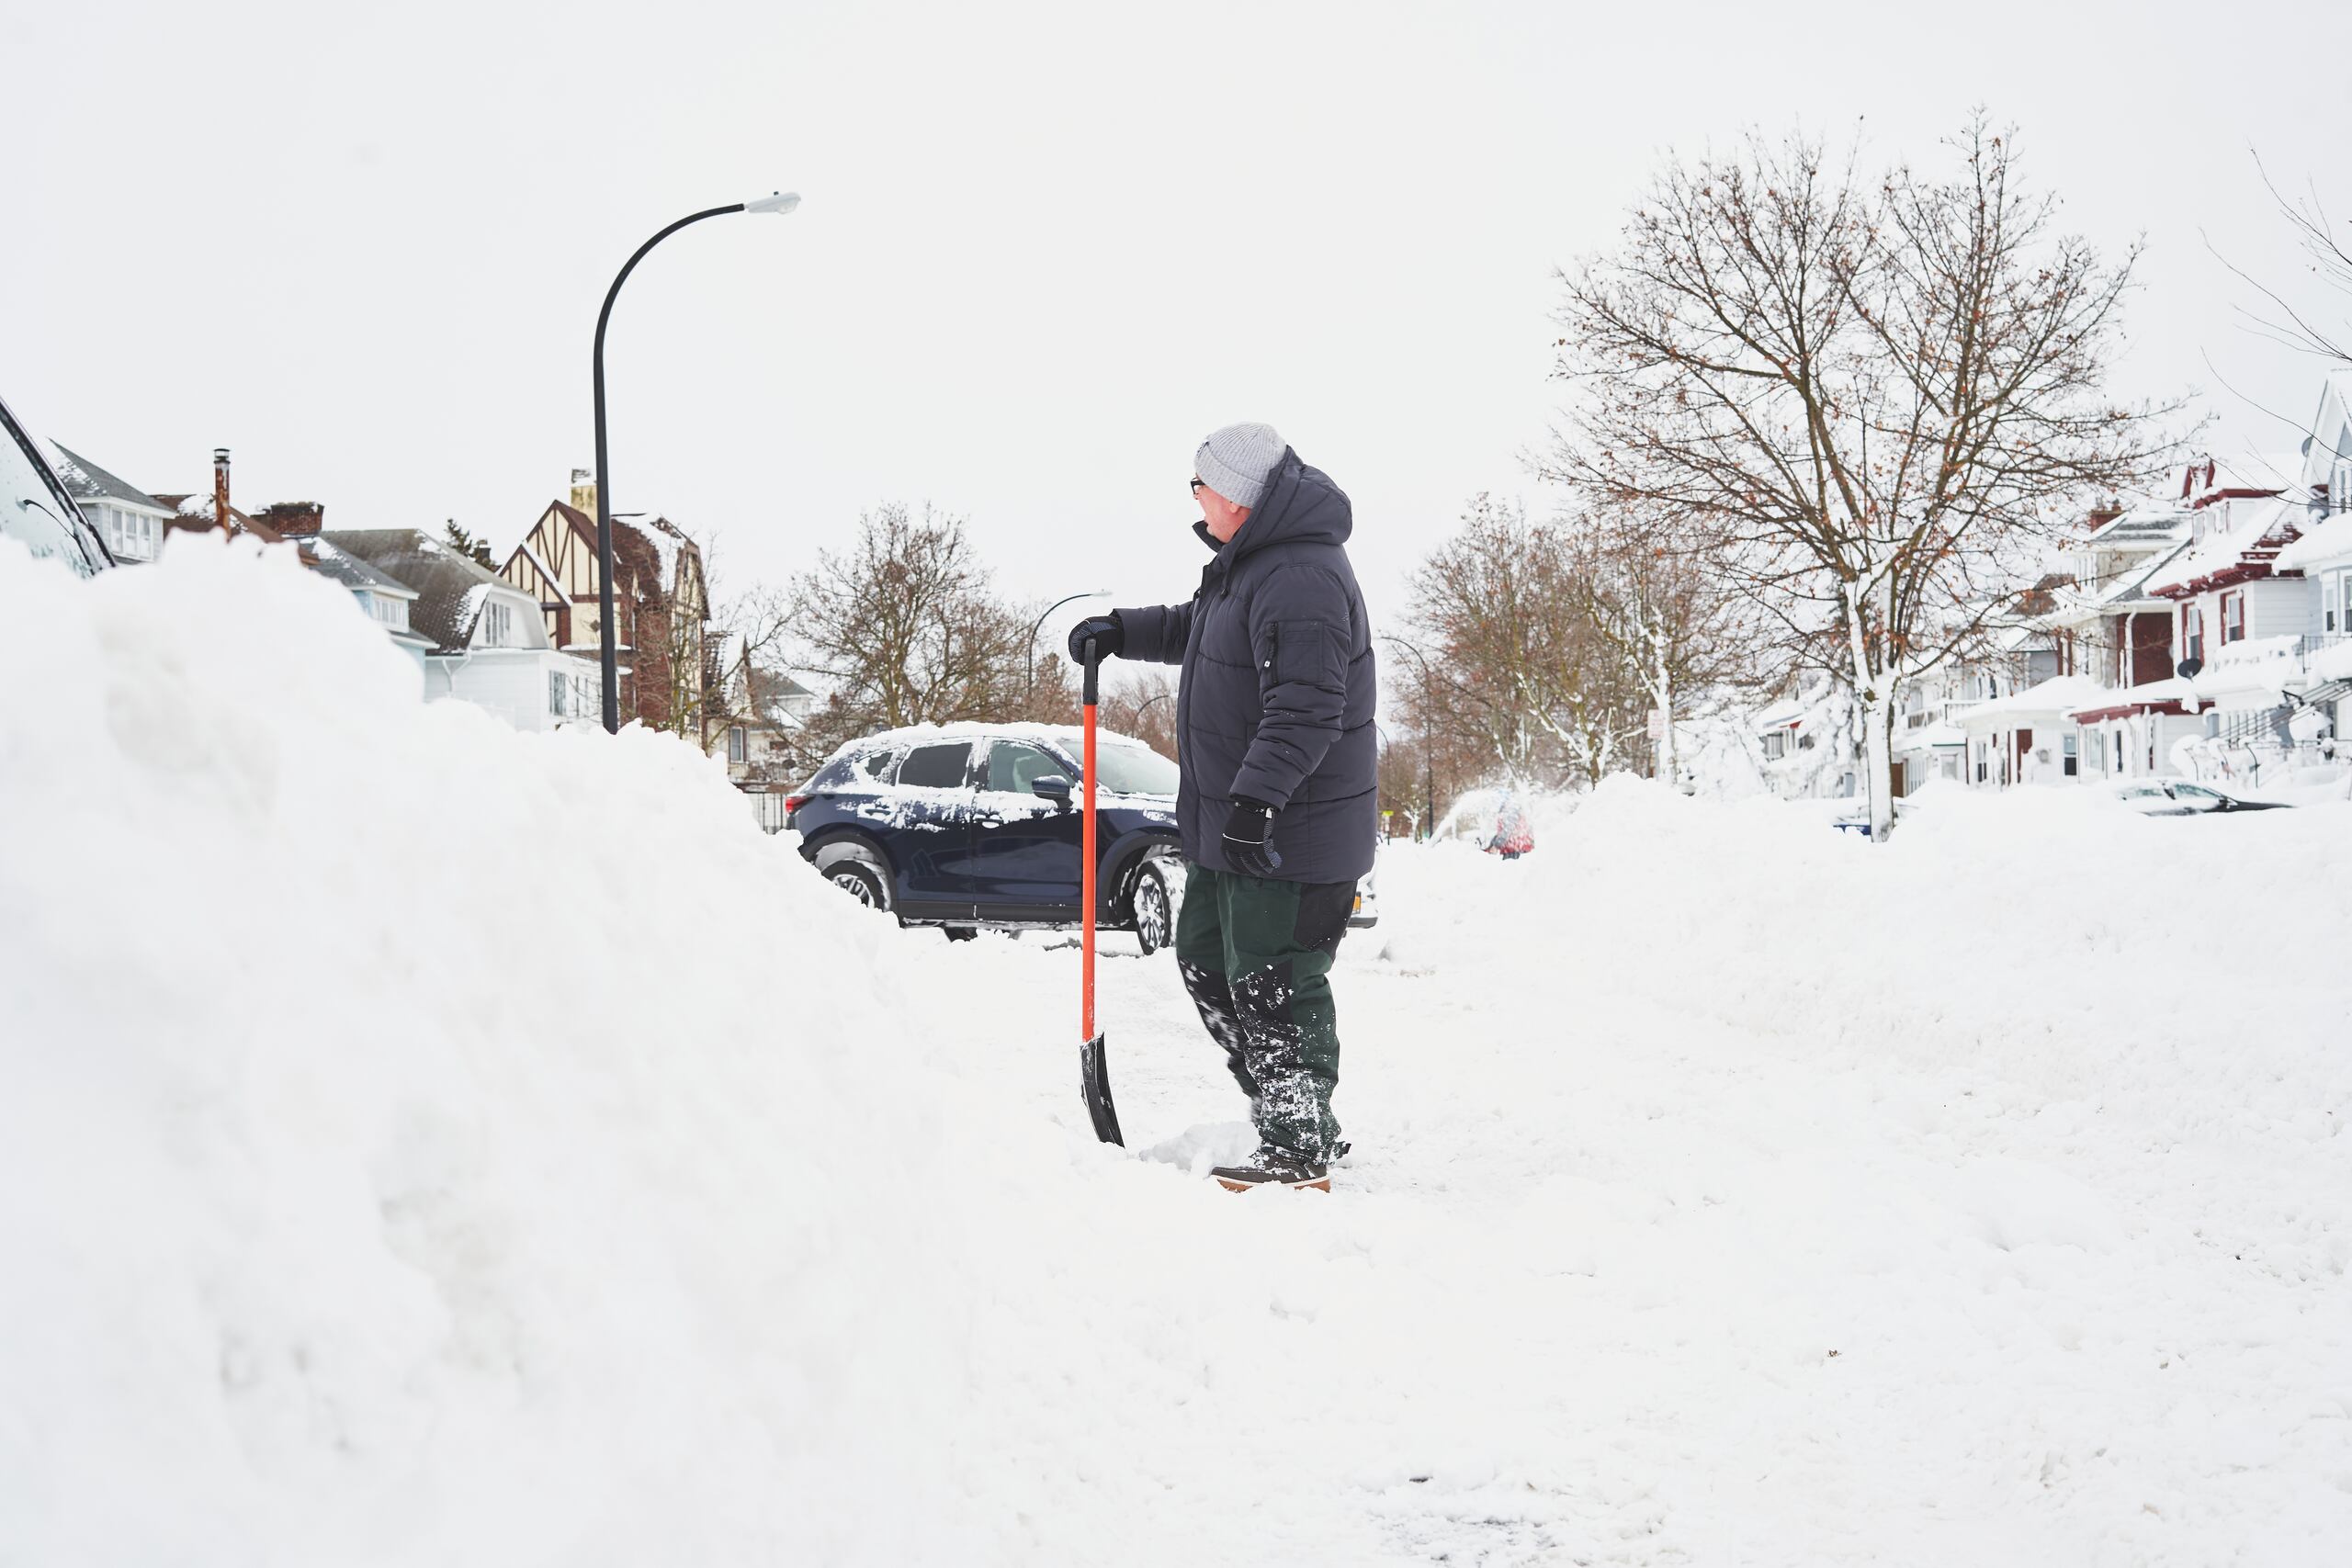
(1276, 699)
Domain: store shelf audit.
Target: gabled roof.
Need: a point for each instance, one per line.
(2330, 441)
(636, 559)
(2243, 546)
(85, 481)
(2211, 479)
(331, 560)
(450, 588)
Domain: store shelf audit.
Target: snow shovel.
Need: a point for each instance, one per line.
(1094, 1070)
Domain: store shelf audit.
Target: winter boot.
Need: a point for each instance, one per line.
(1273, 1167)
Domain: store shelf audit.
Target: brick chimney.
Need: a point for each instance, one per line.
(583, 492)
(221, 488)
(2106, 512)
(292, 519)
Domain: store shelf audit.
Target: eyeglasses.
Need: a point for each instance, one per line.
(1196, 487)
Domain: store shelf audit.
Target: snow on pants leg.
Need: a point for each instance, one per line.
(1256, 955)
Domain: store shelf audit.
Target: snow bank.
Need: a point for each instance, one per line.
(431, 1144)
(427, 1142)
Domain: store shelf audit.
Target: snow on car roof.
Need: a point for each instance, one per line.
(924, 734)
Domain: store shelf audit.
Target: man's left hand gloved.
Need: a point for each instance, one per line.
(1249, 846)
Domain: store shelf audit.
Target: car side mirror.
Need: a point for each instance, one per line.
(1053, 786)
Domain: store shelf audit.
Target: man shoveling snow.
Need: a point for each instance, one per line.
(1277, 810)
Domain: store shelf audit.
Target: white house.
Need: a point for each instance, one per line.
(388, 602)
(2324, 556)
(130, 520)
(490, 643)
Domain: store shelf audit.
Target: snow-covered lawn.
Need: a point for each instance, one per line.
(427, 1144)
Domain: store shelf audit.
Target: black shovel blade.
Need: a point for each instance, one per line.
(1094, 1082)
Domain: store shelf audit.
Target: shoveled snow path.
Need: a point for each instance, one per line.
(1660, 1252)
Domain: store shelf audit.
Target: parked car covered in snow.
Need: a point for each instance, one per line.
(35, 509)
(972, 826)
(2177, 797)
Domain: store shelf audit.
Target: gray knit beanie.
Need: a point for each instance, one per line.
(1238, 461)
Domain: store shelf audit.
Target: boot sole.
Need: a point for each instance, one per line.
(1320, 1184)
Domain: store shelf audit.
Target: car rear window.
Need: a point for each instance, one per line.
(857, 771)
(936, 767)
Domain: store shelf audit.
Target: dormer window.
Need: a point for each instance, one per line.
(497, 624)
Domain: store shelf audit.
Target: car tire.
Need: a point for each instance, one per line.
(961, 933)
(1155, 913)
(854, 869)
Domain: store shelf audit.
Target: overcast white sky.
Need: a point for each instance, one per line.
(1044, 248)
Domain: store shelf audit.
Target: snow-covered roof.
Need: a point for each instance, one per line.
(1928, 737)
(2329, 543)
(451, 588)
(2244, 535)
(85, 481)
(2211, 476)
(332, 561)
(669, 542)
(2050, 700)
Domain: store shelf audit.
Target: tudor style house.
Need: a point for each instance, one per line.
(661, 604)
(489, 643)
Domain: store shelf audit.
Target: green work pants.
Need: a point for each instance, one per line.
(1256, 954)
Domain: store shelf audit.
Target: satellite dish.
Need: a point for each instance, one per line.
(2189, 669)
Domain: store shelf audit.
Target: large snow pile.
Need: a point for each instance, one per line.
(429, 1144)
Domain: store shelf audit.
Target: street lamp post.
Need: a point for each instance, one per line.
(1029, 687)
(780, 201)
(1428, 752)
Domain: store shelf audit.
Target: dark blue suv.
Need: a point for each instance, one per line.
(965, 825)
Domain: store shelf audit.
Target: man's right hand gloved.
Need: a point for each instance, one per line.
(1107, 634)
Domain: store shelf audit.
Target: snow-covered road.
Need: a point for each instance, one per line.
(431, 1145)
(1724, 1192)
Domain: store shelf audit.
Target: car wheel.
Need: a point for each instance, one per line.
(1155, 919)
(859, 881)
(961, 933)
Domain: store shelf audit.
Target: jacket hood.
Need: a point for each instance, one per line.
(1302, 505)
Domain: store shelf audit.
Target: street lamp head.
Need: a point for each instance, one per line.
(776, 201)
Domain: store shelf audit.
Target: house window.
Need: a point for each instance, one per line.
(559, 694)
(2073, 754)
(2339, 590)
(736, 749)
(2234, 617)
(497, 624)
(1775, 746)
(2192, 632)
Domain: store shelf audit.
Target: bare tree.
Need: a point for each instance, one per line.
(1141, 701)
(1648, 588)
(1886, 395)
(1514, 671)
(904, 628)
(2316, 234)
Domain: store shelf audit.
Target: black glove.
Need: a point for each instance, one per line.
(1248, 833)
(1108, 636)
